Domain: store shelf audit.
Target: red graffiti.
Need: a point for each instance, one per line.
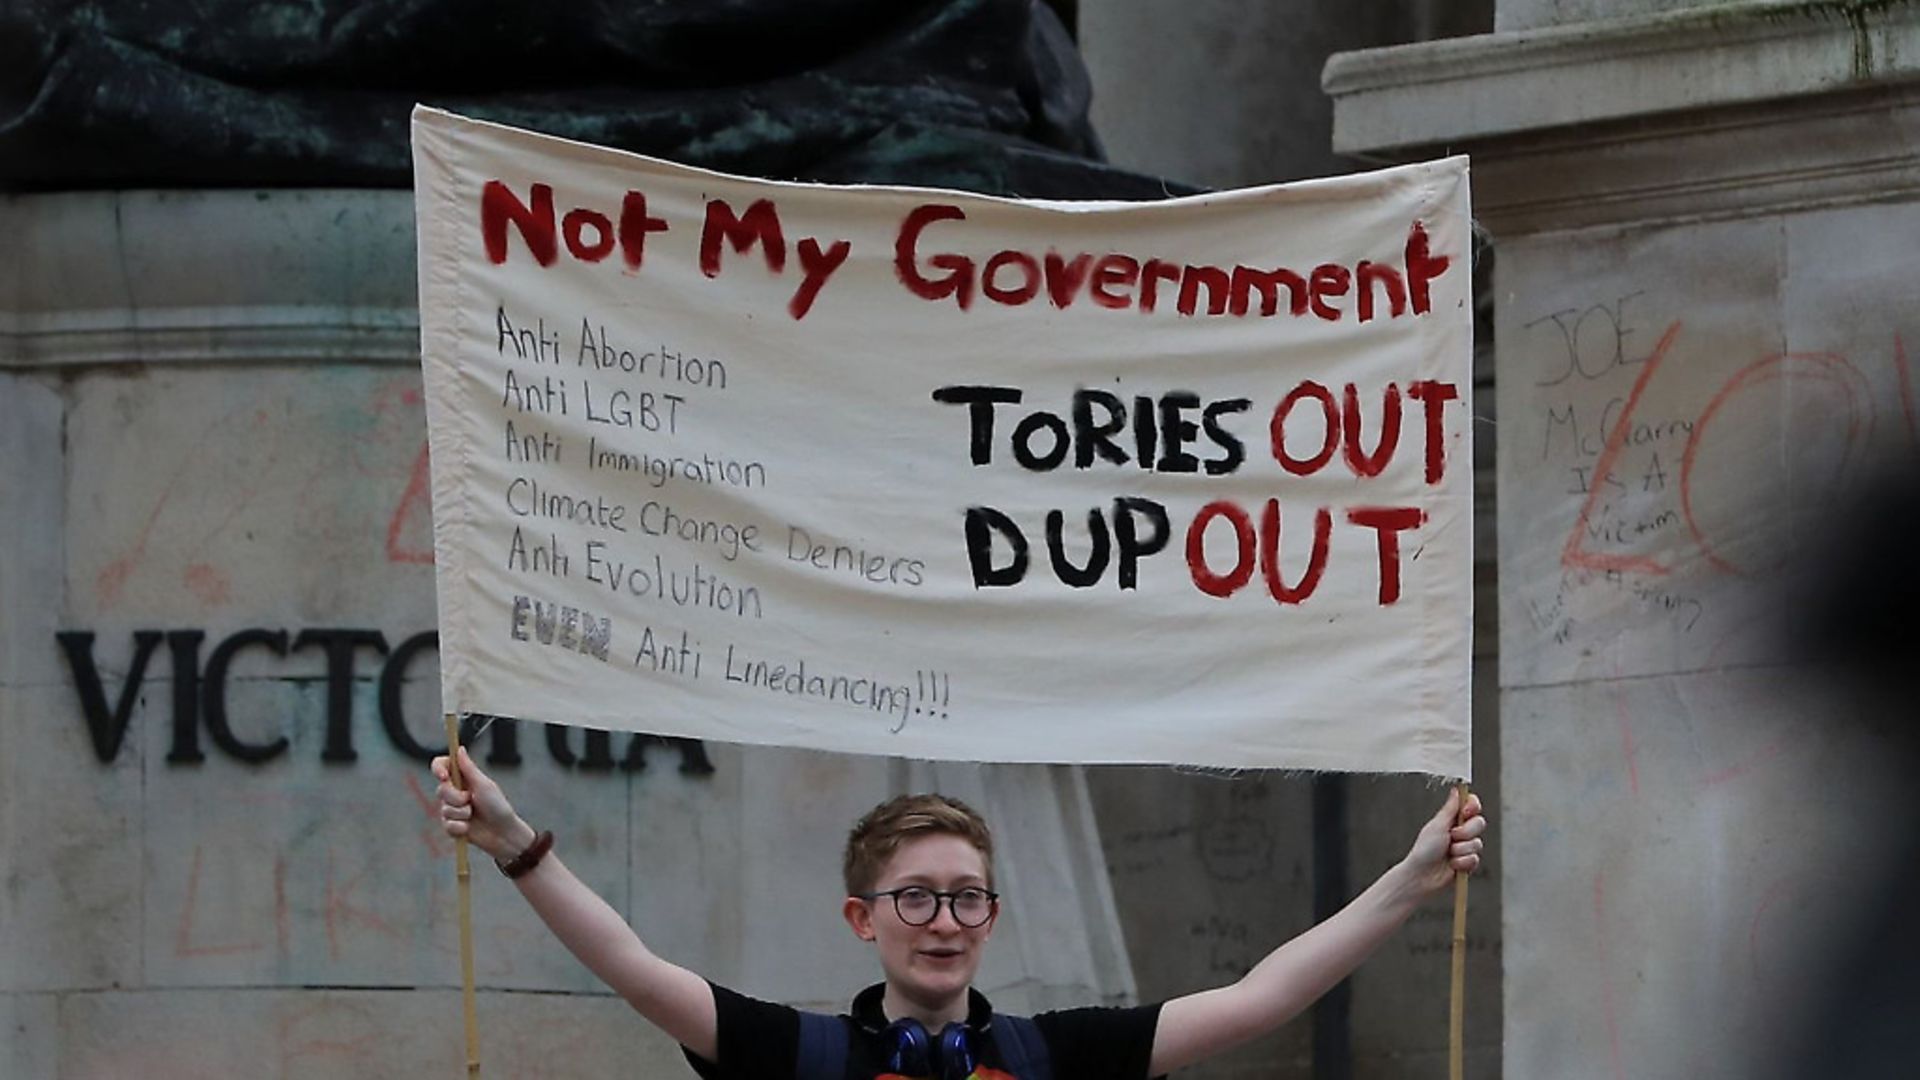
(205, 582)
(415, 502)
(340, 911)
(184, 944)
(1575, 555)
(431, 834)
(208, 584)
(1741, 768)
(1824, 368)
(1627, 748)
(1819, 369)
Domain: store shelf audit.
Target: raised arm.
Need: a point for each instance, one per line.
(1293, 976)
(674, 999)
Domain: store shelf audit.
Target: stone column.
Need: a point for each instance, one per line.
(1704, 222)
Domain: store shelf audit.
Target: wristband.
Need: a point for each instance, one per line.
(522, 864)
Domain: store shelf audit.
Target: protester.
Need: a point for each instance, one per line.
(919, 880)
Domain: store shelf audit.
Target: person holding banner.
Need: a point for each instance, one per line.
(919, 878)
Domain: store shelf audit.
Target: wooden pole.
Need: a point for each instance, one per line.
(1457, 1012)
(464, 876)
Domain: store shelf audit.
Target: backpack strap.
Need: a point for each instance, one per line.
(1022, 1047)
(823, 1048)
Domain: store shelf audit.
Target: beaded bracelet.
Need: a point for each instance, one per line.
(522, 864)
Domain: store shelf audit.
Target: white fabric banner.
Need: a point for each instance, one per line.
(916, 472)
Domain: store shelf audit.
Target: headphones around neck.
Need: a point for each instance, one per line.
(916, 1053)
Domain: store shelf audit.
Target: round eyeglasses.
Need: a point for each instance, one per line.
(918, 905)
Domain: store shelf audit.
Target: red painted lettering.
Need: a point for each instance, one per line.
(760, 224)
(1247, 281)
(500, 207)
(1371, 274)
(958, 283)
(1213, 279)
(634, 227)
(816, 267)
(1029, 275)
(1277, 430)
(1422, 267)
(1111, 272)
(1150, 277)
(1362, 463)
(1388, 523)
(1203, 576)
(1270, 554)
(573, 228)
(1325, 281)
(1065, 276)
(1433, 397)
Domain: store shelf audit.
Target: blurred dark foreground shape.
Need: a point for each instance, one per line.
(1862, 620)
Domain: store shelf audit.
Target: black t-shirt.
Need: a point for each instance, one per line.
(759, 1040)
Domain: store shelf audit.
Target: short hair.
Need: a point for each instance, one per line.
(877, 835)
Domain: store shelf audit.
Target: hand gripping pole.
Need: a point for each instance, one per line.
(463, 875)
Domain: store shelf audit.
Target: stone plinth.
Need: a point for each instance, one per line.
(215, 523)
(1702, 226)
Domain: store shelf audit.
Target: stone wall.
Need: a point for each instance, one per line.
(214, 520)
(1702, 225)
